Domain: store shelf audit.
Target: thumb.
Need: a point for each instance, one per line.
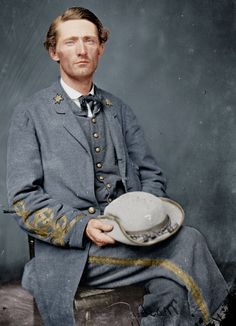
(104, 226)
(107, 227)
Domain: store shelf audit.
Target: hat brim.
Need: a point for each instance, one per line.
(176, 217)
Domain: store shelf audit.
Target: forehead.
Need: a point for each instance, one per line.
(77, 27)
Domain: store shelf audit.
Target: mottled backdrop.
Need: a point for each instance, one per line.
(174, 63)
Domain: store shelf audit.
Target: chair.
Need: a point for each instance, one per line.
(100, 306)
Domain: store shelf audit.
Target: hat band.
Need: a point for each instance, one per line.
(152, 233)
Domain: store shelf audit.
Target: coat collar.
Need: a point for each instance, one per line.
(60, 99)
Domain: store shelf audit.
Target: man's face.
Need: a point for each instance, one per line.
(78, 50)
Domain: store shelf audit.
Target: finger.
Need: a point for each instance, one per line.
(103, 238)
(108, 239)
(101, 225)
(106, 227)
(100, 238)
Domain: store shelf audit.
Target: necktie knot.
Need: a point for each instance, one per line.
(90, 99)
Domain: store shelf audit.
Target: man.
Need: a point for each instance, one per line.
(69, 156)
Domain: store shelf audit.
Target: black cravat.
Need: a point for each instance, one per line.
(91, 100)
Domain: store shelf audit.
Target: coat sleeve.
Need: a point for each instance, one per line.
(151, 176)
(39, 215)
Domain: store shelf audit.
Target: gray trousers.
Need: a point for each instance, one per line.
(165, 302)
(184, 285)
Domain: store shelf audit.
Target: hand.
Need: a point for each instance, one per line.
(95, 231)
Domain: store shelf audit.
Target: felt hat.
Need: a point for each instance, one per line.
(142, 219)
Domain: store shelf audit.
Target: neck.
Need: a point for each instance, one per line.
(83, 86)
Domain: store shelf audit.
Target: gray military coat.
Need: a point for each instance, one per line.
(50, 179)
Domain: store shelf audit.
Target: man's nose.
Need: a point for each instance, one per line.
(81, 48)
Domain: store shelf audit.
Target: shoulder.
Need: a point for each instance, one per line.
(109, 97)
(37, 102)
(121, 110)
(114, 102)
(41, 97)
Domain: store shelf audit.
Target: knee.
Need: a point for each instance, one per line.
(191, 239)
(162, 286)
(192, 234)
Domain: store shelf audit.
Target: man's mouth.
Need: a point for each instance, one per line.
(81, 62)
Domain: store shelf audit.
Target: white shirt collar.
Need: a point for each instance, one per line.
(71, 92)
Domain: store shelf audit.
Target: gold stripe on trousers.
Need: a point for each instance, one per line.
(179, 272)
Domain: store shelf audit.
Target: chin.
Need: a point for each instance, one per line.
(85, 73)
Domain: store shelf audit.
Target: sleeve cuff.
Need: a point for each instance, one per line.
(76, 239)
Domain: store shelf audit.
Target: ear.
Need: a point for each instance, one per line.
(101, 49)
(53, 54)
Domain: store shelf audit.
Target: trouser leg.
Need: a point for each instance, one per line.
(183, 259)
(166, 303)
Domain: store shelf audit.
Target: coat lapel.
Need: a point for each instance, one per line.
(74, 128)
(116, 134)
(62, 105)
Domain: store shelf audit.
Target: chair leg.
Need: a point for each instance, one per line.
(31, 246)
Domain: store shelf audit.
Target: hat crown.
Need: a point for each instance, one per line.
(137, 211)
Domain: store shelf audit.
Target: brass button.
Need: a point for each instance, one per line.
(93, 120)
(91, 210)
(99, 165)
(98, 149)
(101, 178)
(95, 135)
(108, 185)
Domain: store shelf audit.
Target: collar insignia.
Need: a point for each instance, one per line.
(108, 102)
(58, 98)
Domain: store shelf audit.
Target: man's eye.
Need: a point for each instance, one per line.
(90, 41)
(70, 42)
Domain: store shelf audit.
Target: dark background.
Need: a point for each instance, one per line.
(173, 62)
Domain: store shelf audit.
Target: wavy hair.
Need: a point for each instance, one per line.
(73, 14)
